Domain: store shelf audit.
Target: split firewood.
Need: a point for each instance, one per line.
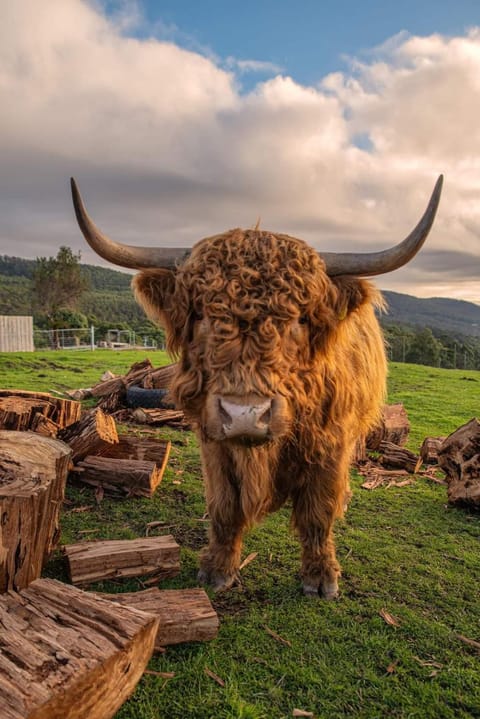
(142, 448)
(67, 654)
(391, 455)
(157, 416)
(19, 407)
(394, 427)
(186, 615)
(160, 378)
(130, 477)
(429, 449)
(108, 387)
(44, 425)
(33, 472)
(110, 559)
(80, 394)
(137, 372)
(459, 457)
(95, 430)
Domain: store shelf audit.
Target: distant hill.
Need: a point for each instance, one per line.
(110, 297)
(455, 316)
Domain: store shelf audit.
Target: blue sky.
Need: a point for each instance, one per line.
(329, 121)
(307, 38)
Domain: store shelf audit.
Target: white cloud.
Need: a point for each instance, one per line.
(167, 149)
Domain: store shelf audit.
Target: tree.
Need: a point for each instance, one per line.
(57, 283)
(425, 349)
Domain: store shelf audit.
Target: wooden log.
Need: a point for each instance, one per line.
(459, 457)
(19, 407)
(186, 615)
(430, 448)
(142, 448)
(44, 425)
(399, 458)
(95, 430)
(108, 387)
(160, 378)
(93, 561)
(157, 416)
(394, 427)
(67, 654)
(33, 472)
(137, 372)
(131, 477)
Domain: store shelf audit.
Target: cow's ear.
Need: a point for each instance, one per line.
(153, 290)
(352, 293)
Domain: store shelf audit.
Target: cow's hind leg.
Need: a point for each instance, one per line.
(316, 504)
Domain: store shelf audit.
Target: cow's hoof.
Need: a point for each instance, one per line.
(219, 582)
(328, 590)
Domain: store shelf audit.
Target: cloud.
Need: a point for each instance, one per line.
(166, 148)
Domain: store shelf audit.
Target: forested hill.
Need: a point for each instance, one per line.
(443, 314)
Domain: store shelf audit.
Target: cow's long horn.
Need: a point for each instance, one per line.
(124, 255)
(377, 263)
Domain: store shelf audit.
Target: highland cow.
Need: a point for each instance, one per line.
(281, 370)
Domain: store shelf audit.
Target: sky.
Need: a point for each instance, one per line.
(329, 121)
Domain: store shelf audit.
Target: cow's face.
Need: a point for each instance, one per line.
(248, 312)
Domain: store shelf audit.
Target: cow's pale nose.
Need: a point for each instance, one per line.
(245, 420)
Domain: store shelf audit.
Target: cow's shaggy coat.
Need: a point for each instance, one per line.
(253, 315)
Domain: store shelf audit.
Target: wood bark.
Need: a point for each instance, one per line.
(67, 654)
(399, 458)
(33, 472)
(158, 416)
(93, 561)
(430, 448)
(160, 378)
(108, 387)
(44, 425)
(186, 615)
(135, 478)
(19, 407)
(143, 448)
(459, 457)
(394, 427)
(95, 430)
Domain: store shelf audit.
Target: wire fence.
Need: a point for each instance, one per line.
(89, 338)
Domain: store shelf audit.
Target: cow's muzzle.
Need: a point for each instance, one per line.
(245, 421)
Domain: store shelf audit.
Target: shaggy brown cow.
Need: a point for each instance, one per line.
(282, 368)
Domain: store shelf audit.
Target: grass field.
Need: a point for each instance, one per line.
(403, 550)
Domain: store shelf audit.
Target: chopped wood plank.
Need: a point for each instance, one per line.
(90, 434)
(33, 472)
(120, 476)
(67, 654)
(186, 615)
(93, 561)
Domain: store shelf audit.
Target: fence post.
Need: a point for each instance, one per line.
(92, 337)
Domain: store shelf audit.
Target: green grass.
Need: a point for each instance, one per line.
(402, 549)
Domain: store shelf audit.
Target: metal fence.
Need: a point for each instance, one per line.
(88, 338)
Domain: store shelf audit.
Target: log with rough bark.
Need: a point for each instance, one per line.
(108, 387)
(33, 472)
(391, 455)
(186, 615)
(160, 378)
(158, 416)
(95, 430)
(394, 427)
(138, 372)
(459, 457)
(110, 559)
(131, 477)
(19, 407)
(430, 448)
(44, 425)
(143, 448)
(67, 654)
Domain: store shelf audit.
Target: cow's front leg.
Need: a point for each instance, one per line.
(315, 507)
(220, 560)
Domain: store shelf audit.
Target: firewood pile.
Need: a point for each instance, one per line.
(384, 461)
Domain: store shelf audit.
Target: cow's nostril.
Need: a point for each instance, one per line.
(266, 417)
(224, 415)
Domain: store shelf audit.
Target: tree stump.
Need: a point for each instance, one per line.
(134, 478)
(186, 615)
(19, 407)
(33, 472)
(93, 561)
(394, 427)
(95, 430)
(459, 457)
(66, 654)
